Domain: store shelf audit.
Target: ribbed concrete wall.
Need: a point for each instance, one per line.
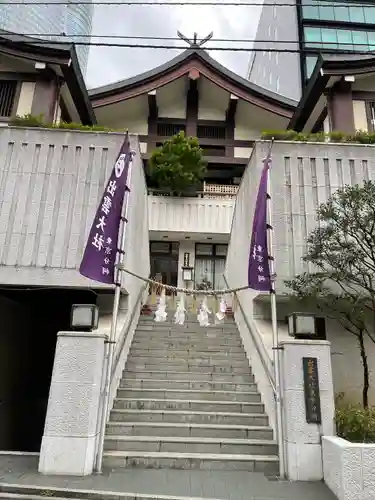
(302, 177)
(51, 182)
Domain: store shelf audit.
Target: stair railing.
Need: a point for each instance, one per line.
(257, 342)
(120, 344)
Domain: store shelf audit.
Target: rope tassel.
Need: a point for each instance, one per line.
(220, 315)
(203, 313)
(160, 313)
(179, 315)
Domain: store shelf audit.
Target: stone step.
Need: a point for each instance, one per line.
(182, 416)
(158, 460)
(25, 496)
(169, 362)
(190, 445)
(207, 385)
(189, 430)
(233, 346)
(186, 333)
(183, 356)
(33, 492)
(190, 325)
(219, 370)
(175, 367)
(189, 375)
(189, 353)
(187, 394)
(189, 405)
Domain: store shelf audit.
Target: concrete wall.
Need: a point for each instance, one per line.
(302, 176)
(349, 468)
(344, 350)
(51, 184)
(277, 71)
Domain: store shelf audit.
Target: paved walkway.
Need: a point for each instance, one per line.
(235, 485)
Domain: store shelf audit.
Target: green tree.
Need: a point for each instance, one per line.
(341, 255)
(178, 164)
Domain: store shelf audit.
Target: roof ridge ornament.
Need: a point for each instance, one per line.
(194, 43)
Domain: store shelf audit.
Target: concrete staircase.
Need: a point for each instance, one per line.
(188, 400)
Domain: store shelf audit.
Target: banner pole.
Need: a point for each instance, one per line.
(112, 336)
(275, 333)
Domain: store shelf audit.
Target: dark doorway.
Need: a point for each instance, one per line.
(30, 321)
(164, 261)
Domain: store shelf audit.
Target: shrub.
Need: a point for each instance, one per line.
(178, 164)
(359, 137)
(356, 424)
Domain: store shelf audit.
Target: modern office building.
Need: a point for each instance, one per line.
(306, 29)
(44, 21)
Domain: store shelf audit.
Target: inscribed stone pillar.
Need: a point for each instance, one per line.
(302, 440)
(70, 433)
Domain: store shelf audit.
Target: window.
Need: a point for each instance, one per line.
(169, 129)
(326, 11)
(310, 65)
(371, 40)
(311, 9)
(342, 13)
(211, 131)
(329, 38)
(356, 14)
(8, 90)
(369, 13)
(335, 11)
(210, 266)
(313, 37)
(347, 40)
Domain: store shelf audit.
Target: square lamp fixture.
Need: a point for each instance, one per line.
(302, 325)
(187, 273)
(84, 317)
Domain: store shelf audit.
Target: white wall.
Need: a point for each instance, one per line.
(25, 101)
(236, 275)
(190, 215)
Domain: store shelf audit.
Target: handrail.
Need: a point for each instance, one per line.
(127, 328)
(269, 373)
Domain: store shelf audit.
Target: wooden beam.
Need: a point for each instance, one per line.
(232, 108)
(152, 120)
(192, 98)
(230, 122)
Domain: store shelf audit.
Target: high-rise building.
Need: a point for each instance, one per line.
(56, 19)
(308, 27)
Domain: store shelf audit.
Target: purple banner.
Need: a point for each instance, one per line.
(259, 271)
(99, 260)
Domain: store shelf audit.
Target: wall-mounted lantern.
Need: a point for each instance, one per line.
(302, 325)
(84, 317)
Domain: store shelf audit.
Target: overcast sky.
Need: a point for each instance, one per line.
(109, 64)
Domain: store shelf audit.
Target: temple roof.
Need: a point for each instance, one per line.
(61, 55)
(329, 68)
(191, 59)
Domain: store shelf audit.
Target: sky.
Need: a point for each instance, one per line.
(109, 64)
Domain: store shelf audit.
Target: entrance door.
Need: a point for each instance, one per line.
(164, 262)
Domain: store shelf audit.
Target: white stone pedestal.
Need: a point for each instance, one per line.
(303, 444)
(70, 432)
